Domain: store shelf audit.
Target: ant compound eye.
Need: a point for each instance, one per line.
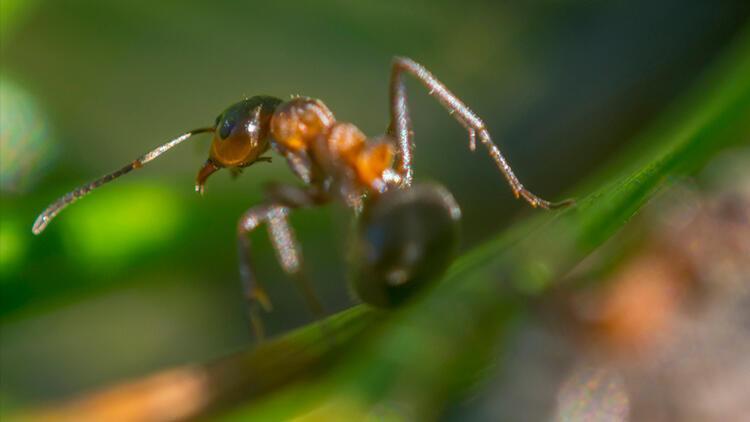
(226, 126)
(248, 115)
(405, 238)
(229, 119)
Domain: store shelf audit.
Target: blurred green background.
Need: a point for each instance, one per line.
(142, 274)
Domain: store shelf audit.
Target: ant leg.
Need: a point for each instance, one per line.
(289, 255)
(400, 127)
(299, 161)
(294, 196)
(283, 199)
(254, 293)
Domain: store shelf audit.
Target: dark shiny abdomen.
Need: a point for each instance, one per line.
(405, 239)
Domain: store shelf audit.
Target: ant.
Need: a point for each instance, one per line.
(406, 234)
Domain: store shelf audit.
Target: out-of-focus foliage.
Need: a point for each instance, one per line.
(13, 245)
(12, 14)
(137, 220)
(26, 144)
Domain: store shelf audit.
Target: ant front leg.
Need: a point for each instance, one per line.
(275, 215)
(400, 127)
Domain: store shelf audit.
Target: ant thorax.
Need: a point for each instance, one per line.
(338, 150)
(299, 121)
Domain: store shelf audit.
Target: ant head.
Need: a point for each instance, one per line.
(405, 239)
(240, 135)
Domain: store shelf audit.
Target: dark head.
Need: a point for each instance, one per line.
(405, 238)
(240, 136)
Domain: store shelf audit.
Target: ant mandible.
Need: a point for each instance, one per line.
(406, 234)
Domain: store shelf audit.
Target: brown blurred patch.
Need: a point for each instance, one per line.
(695, 253)
(167, 396)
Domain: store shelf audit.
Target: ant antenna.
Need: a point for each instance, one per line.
(48, 214)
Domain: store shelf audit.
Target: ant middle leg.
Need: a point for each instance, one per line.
(400, 127)
(282, 200)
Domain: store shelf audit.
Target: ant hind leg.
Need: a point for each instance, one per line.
(400, 127)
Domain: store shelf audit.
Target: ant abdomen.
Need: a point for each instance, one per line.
(404, 239)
